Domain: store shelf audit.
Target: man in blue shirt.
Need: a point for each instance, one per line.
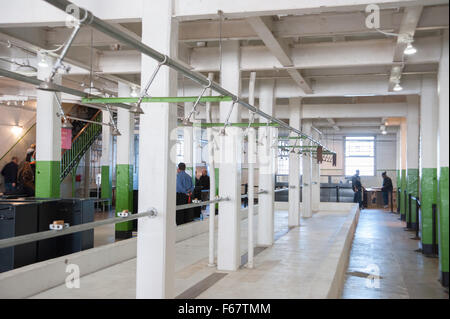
(184, 190)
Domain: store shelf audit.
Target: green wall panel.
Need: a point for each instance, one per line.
(443, 219)
(413, 189)
(428, 197)
(124, 193)
(106, 183)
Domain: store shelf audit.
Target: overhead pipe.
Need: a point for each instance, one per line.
(123, 37)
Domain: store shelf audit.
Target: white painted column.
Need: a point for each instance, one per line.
(412, 159)
(48, 137)
(315, 177)
(228, 254)
(294, 164)
(155, 269)
(429, 114)
(306, 179)
(212, 180)
(443, 170)
(188, 139)
(251, 151)
(267, 168)
(106, 158)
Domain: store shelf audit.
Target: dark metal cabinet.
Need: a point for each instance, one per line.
(18, 219)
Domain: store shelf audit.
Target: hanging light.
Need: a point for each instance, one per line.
(43, 61)
(134, 92)
(410, 49)
(136, 109)
(397, 87)
(16, 130)
(115, 131)
(66, 124)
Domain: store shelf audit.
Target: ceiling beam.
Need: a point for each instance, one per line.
(410, 20)
(279, 50)
(329, 24)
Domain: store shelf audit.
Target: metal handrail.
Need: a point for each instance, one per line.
(125, 38)
(202, 203)
(24, 239)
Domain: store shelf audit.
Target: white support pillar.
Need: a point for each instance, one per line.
(124, 166)
(155, 269)
(212, 179)
(429, 118)
(251, 152)
(412, 160)
(306, 178)
(294, 164)
(315, 177)
(106, 158)
(228, 254)
(188, 139)
(443, 173)
(267, 166)
(48, 138)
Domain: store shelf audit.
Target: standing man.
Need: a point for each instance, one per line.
(204, 184)
(184, 190)
(9, 172)
(386, 189)
(357, 189)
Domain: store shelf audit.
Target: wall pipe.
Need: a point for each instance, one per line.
(114, 32)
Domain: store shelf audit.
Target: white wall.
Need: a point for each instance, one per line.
(385, 160)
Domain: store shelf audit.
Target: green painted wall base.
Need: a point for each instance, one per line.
(402, 194)
(443, 223)
(106, 183)
(48, 179)
(412, 188)
(428, 197)
(124, 198)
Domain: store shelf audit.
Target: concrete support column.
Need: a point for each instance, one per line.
(315, 178)
(228, 245)
(429, 107)
(443, 161)
(48, 138)
(294, 164)
(106, 159)
(155, 265)
(398, 162)
(307, 176)
(412, 159)
(403, 142)
(188, 139)
(267, 166)
(124, 167)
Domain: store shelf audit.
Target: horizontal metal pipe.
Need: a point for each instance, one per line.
(192, 205)
(24, 239)
(87, 121)
(113, 32)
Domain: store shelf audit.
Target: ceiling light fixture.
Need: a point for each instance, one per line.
(397, 87)
(410, 49)
(43, 61)
(16, 130)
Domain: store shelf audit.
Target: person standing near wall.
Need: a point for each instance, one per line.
(357, 189)
(386, 189)
(184, 190)
(9, 173)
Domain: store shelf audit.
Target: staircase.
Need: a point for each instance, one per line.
(80, 144)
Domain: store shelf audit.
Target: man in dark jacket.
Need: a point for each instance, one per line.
(9, 172)
(357, 189)
(386, 189)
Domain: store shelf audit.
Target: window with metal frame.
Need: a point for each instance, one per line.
(360, 155)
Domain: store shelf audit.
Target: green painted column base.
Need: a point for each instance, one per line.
(124, 198)
(402, 200)
(48, 179)
(428, 197)
(412, 188)
(443, 224)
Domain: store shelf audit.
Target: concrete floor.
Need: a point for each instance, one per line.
(286, 270)
(380, 241)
